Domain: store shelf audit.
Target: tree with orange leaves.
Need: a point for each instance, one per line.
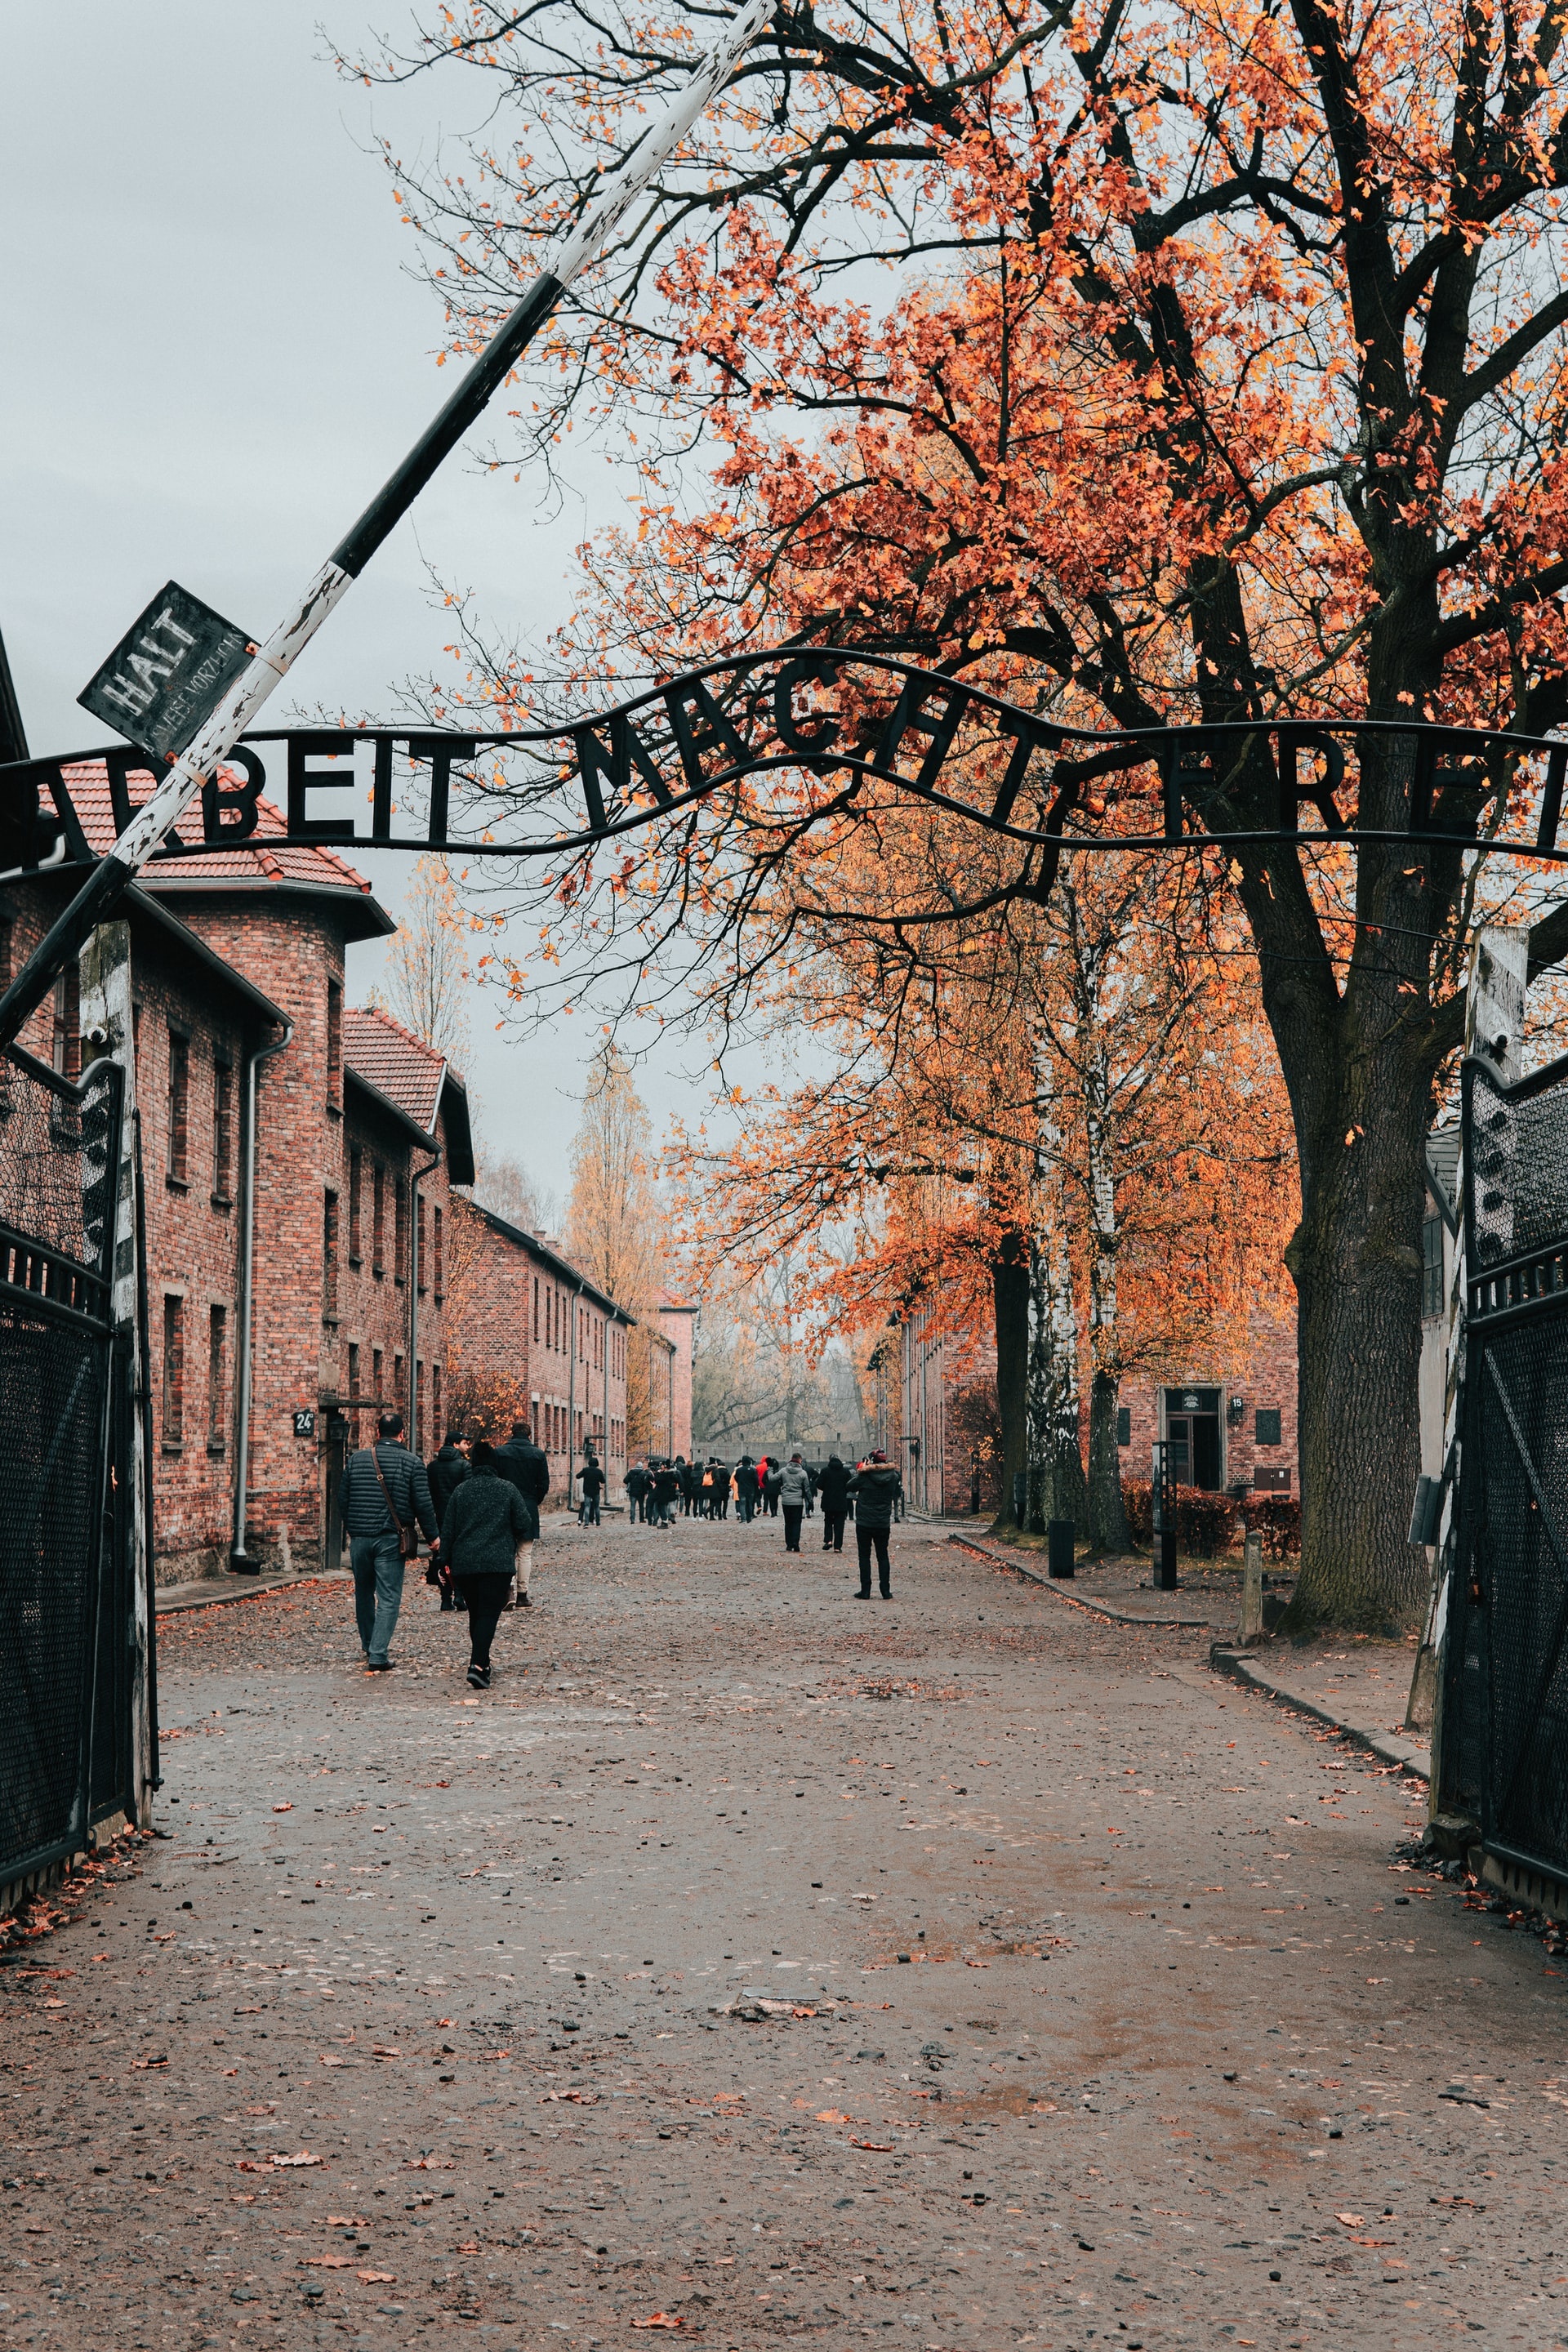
(1220, 376)
(1065, 1131)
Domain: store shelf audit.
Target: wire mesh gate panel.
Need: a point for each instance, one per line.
(1506, 1675)
(65, 1536)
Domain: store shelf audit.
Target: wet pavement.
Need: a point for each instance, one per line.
(753, 1963)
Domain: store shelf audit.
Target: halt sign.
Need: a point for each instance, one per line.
(169, 673)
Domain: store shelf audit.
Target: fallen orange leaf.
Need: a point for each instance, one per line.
(659, 2319)
(877, 2147)
(376, 2278)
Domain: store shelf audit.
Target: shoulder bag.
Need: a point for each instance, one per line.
(407, 1537)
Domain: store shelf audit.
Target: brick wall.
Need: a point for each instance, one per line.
(677, 1321)
(513, 1320)
(291, 948)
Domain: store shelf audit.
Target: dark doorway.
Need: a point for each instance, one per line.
(1192, 1426)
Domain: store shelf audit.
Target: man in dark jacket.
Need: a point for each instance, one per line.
(834, 1488)
(525, 1466)
(383, 1488)
(874, 1489)
(745, 1488)
(637, 1482)
(591, 1478)
(486, 1523)
(447, 1471)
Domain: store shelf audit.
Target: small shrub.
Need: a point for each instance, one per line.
(1278, 1519)
(1207, 1524)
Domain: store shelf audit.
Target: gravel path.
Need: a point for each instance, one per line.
(757, 1963)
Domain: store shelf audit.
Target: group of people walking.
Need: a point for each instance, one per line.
(478, 1511)
(872, 1491)
(478, 1507)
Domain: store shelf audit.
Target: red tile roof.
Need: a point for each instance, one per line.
(89, 787)
(395, 1062)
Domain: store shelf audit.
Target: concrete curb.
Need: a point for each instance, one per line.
(1106, 1609)
(170, 1599)
(1386, 1745)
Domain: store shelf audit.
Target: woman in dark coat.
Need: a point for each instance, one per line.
(487, 1519)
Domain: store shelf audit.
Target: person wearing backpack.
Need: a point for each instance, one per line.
(486, 1519)
(383, 1496)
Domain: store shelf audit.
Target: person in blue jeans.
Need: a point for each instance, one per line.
(384, 1488)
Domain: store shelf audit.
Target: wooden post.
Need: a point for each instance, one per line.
(1494, 1032)
(1250, 1629)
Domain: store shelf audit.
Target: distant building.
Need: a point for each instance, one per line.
(676, 1320)
(538, 1339)
(933, 1404)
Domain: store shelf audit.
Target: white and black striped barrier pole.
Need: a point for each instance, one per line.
(164, 651)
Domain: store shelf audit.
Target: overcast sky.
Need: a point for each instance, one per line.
(215, 351)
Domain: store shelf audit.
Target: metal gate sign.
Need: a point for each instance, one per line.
(169, 673)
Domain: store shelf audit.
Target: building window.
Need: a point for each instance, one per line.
(1431, 1267)
(335, 1044)
(376, 1364)
(397, 1402)
(177, 1139)
(536, 1316)
(439, 1268)
(66, 1049)
(1123, 1425)
(399, 1230)
(356, 1170)
(329, 1258)
(223, 1129)
(418, 1404)
(217, 1377)
(174, 1371)
(1266, 1425)
(437, 1431)
(378, 1221)
(423, 1275)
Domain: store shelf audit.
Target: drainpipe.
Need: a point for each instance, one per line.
(571, 1392)
(605, 1424)
(239, 1560)
(416, 1178)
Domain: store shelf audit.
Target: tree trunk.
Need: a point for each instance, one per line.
(1356, 1262)
(1010, 1301)
(1106, 1519)
(1108, 1530)
(1056, 1460)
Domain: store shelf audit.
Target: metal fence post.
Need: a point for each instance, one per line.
(1494, 1029)
(1162, 1496)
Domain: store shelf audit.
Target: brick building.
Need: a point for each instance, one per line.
(253, 1078)
(677, 1323)
(1237, 1432)
(533, 1325)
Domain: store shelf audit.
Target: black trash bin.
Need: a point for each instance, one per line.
(1060, 1536)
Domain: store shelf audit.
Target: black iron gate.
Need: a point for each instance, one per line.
(67, 1523)
(1505, 1695)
